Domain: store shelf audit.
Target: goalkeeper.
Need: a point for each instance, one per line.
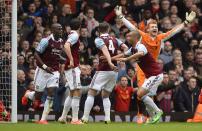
(152, 41)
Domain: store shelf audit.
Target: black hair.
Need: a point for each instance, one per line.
(103, 27)
(75, 24)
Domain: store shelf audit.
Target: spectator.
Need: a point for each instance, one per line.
(122, 70)
(21, 87)
(31, 15)
(198, 61)
(187, 97)
(21, 63)
(177, 61)
(164, 98)
(84, 37)
(66, 15)
(175, 20)
(166, 55)
(25, 47)
(131, 77)
(116, 27)
(47, 17)
(91, 21)
(165, 9)
(123, 94)
(189, 59)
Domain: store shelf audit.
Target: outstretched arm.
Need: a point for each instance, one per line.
(134, 56)
(128, 24)
(174, 31)
(189, 18)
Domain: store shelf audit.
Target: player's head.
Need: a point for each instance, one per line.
(75, 24)
(103, 28)
(133, 37)
(56, 30)
(152, 28)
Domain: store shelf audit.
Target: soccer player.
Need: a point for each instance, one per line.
(70, 68)
(152, 71)
(105, 77)
(47, 55)
(152, 40)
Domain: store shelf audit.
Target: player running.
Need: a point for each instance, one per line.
(105, 77)
(47, 55)
(70, 68)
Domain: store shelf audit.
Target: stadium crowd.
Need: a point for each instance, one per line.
(181, 56)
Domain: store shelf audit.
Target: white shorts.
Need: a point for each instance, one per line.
(73, 78)
(105, 80)
(151, 84)
(43, 80)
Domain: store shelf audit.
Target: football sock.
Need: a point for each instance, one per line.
(149, 103)
(107, 106)
(67, 105)
(88, 106)
(47, 106)
(75, 107)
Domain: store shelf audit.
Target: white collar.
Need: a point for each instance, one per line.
(105, 34)
(138, 43)
(52, 37)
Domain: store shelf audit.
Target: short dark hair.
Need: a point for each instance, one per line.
(124, 76)
(103, 27)
(75, 24)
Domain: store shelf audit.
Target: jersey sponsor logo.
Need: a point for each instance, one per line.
(55, 51)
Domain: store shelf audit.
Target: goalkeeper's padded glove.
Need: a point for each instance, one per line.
(190, 17)
(118, 12)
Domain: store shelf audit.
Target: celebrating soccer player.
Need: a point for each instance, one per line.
(152, 42)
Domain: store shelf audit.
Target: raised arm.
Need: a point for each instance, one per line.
(189, 18)
(128, 24)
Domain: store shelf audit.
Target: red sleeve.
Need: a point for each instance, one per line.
(116, 88)
(110, 16)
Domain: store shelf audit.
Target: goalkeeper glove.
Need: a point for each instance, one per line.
(118, 12)
(190, 17)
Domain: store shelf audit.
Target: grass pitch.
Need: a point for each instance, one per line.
(54, 126)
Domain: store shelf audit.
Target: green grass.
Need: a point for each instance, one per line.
(53, 126)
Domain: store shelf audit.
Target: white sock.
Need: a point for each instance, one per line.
(150, 112)
(149, 103)
(47, 106)
(75, 108)
(67, 105)
(30, 95)
(88, 106)
(107, 106)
